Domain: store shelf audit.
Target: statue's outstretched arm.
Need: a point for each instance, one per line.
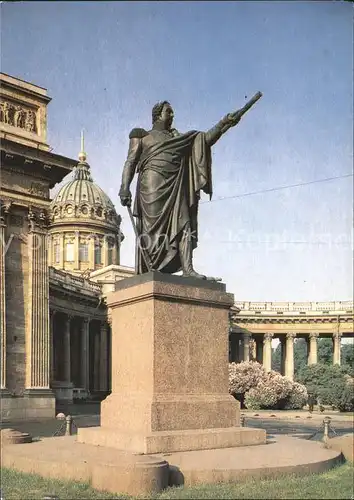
(219, 129)
(230, 120)
(134, 152)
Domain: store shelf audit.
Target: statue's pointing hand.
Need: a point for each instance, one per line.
(234, 118)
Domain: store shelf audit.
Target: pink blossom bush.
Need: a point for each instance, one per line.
(297, 398)
(243, 376)
(258, 389)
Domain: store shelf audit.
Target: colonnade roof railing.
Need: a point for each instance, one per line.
(76, 283)
(333, 307)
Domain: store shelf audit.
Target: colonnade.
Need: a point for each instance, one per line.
(79, 355)
(258, 347)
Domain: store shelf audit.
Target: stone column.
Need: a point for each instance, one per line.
(103, 357)
(282, 340)
(51, 362)
(336, 347)
(96, 367)
(77, 256)
(267, 351)
(246, 337)
(312, 348)
(233, 347)
(109, 362)
(289, 356)
(37, 320)
(239, 345)
(61, 251)
(253, 349)
(85, 353)
(50, 250)
(67, 353)
(116, 251)
(4, 210)
(91, 252)
(105, 246)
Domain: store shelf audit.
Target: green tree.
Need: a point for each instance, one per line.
(327, 383)
(276, 358)
(300, 355)
(347, 357)
(325, 351)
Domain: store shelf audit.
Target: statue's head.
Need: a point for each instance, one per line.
(163, 112)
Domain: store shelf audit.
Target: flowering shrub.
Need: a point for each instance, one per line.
(297, 398)
(243, 376)
(258, 389)
(261, 397)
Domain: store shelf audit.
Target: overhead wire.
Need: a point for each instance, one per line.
(278, 188)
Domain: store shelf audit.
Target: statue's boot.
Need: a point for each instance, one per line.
(185, 250)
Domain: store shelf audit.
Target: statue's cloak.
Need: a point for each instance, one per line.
(171, 175)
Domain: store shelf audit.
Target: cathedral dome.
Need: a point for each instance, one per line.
(84, 228)
(81, 200)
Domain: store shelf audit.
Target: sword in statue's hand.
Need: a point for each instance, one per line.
(237, 115)
(144, 254)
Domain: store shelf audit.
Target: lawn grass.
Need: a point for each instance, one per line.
(334, 484)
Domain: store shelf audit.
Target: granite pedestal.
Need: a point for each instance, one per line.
(170, 369)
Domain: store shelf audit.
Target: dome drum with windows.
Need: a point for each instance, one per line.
(85, 230)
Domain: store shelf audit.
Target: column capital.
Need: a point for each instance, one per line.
(87, 320)
(247, 336)
(5, 206)
(38, 220)
(337, 335)
(290, 335)
(314, 335)
(268, 337)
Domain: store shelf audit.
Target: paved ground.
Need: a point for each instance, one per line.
(284, 423)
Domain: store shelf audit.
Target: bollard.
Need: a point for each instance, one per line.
(242, 420)
(68, 427)
(326, 422)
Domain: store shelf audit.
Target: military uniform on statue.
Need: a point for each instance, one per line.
(172, 170)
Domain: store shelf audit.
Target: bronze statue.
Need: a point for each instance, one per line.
(172, 170)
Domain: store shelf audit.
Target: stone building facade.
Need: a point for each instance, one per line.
(59, 260)
(28, 171)
(254, 325)
(55, 333)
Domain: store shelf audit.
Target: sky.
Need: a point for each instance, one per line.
(105, 64)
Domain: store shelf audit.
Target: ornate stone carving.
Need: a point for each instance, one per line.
(5, 206)
(38, 189)
(268, 337)
(290, 335)
(17, 116)
(314, 335)
(38, 220)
